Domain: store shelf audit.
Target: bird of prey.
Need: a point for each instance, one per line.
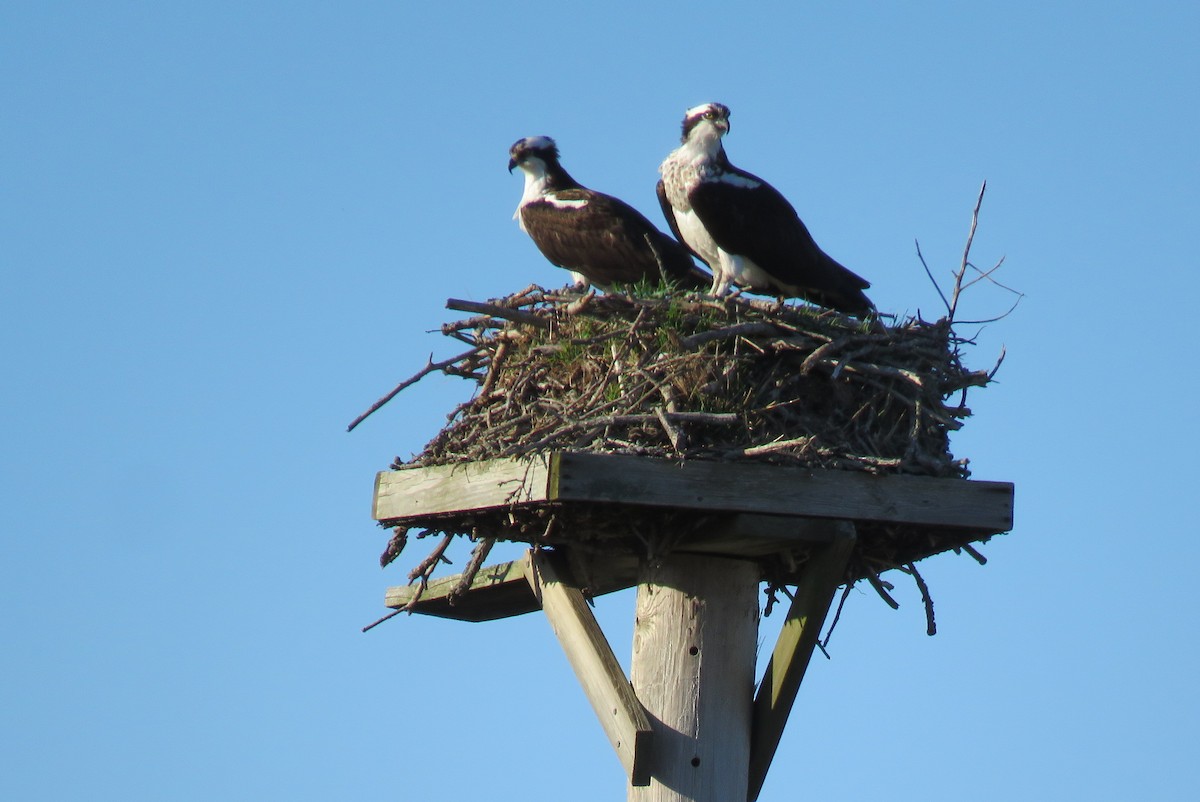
(742, 227)
(598, 238)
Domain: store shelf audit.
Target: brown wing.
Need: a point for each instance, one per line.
(605, 239)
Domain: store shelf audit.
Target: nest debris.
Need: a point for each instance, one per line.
(683, 376)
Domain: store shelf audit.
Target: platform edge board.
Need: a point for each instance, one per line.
(501, 590)
(498, 591)
(785, 490)
(461, 487)
(983, 507)
(980, 506)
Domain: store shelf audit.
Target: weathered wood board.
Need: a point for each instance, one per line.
(744, 510)
(500, 590)
(599, 672)
(695, 485)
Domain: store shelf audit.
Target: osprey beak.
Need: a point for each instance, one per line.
(511, 164)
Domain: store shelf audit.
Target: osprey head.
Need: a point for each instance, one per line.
(525, 151)
(710, 118)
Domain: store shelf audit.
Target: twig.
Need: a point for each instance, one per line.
(478, 555)
(930, 624)
(426, 566)
(979, 558)
(729, 332)
(516, 316)
(721, 418)
(673, 434)
(479, 322)
(422, 373)
(390, 615)
(987, 275)
(394, 546)
(866, 367)
(878, 584)
(929, 273)
(494, 368)
(581, 303)
(778, 445)
(836, 617)
(966, 257)
(1006, 313)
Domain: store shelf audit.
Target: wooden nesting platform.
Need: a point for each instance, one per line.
(776, 515)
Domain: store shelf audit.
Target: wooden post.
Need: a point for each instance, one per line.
(823, 573)
(693, 670)
(601, 676)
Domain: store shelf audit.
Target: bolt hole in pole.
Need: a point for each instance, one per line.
(693, 670)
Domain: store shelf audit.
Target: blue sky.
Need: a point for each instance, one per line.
(225, 230)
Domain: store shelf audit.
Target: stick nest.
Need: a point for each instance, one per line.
(684, 376)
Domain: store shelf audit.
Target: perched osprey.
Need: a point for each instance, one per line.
(742, 227)
(600, 239)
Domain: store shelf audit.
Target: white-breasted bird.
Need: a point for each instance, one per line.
(742, 227)
(601, 240)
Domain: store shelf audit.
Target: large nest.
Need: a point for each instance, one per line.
(684, 376)
(689, 377)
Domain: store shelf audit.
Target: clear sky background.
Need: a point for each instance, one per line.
(225, 229)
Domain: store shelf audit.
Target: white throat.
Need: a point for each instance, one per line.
(534, 170)
(703, 141)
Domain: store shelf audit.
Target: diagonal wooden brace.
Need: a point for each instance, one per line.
(819, 583)
(603, 680)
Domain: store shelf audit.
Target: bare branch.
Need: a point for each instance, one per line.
(729, 332)
(426, 566)
(929, 273)
(966, 257)
(930, 623)
(478, 555)
(389, 616)
(515, 315)
(881, 588)
(979, 558)
(394, 546)
(422, 373)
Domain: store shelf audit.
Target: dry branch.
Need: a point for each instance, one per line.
(450, 366)
(507, 313)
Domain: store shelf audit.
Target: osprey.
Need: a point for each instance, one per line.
(742, 226)
(600, 239)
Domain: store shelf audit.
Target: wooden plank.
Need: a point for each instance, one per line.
(749, 535)
(793, 650)
(783, 490)
(984, 507)
(693, 668)
(601, 676)
(498, 591)
(460, 488)
(501, 590)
